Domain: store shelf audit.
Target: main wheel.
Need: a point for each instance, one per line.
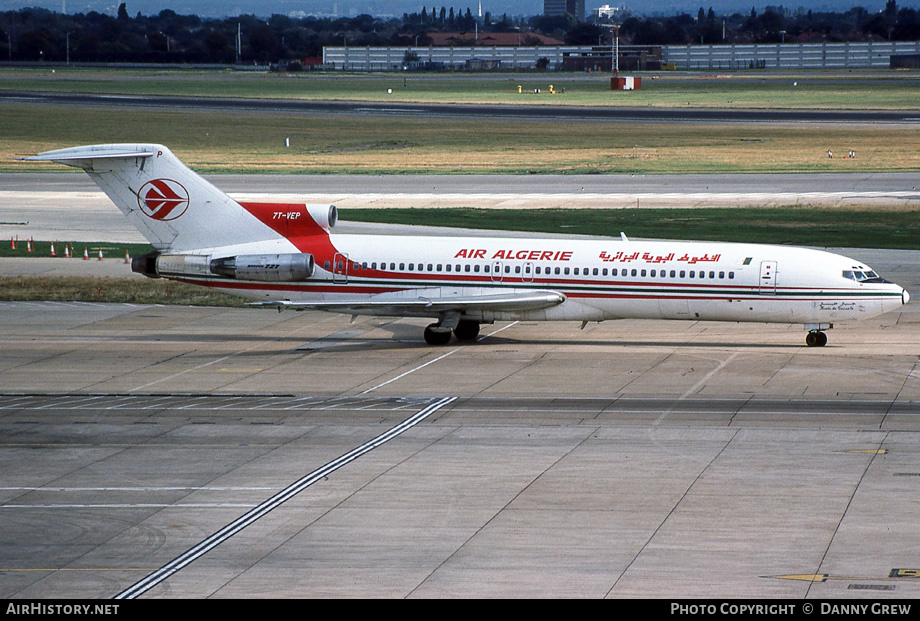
(467, 330)
(436, 337)
(816, 339)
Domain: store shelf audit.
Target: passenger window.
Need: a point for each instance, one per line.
(721, 275)
(683, 274)
(466, 268)
(692, 274)
(557, 271)
(326, 265)
(613, 272)
(673, 274)
(604, 272)
(642, 273)
(576, 271)
(731, 275)
(566, 271)
(652, 273)
(634, 272)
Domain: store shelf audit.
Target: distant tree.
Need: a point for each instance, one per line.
(585, 34)
(123, 11)
(219, 48)
(891, 12)
(262, 42)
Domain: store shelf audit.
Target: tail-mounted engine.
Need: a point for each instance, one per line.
(146, 264)
(259, 267)
(265, 267)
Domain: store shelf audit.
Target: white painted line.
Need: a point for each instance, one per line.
(274, 502)
(422, 366)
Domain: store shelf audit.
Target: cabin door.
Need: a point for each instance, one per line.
(768, 277)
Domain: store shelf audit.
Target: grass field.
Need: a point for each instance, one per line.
(861, 228)
(249, 142)
(91, 289)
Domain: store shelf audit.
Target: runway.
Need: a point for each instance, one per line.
(516, 112)
(69, 206)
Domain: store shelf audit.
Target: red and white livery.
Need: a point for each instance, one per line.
(286, 256)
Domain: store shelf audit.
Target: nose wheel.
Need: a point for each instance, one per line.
(816, 338)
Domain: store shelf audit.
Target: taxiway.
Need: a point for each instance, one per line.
(629, 459)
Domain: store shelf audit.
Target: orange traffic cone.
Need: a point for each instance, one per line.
(85, 253)
(52, 249)
(29, 245)
(12, 243)
(127, 257)
(66, 251)
(100, 254)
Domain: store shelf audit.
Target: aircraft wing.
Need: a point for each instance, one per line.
(429, 301)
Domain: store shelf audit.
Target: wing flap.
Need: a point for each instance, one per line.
(427, 302)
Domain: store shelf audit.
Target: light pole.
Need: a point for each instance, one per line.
(615, 49)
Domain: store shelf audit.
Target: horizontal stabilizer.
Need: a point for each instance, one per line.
(74, 155)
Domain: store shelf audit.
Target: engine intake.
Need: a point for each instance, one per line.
(265, 267)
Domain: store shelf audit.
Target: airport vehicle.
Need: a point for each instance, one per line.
(285, 256)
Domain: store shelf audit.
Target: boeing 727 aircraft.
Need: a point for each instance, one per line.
(286, 257)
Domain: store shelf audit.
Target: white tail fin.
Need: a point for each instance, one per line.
(173, 207)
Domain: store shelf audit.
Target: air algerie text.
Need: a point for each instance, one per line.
(523, 255)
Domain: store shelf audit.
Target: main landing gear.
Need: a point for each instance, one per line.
(439, 333)
(816, 338)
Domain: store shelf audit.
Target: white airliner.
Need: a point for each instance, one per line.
(285, 256)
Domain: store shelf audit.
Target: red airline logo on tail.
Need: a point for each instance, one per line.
(163, 199)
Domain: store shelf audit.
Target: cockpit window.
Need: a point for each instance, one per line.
(862, 276)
